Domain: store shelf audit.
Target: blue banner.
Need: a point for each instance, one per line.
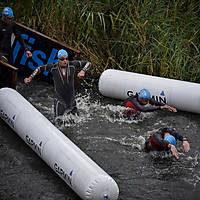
(44, 50)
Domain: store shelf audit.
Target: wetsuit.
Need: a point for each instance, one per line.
(63, 77)
(6, 31)
(157, 142)
(135, 106)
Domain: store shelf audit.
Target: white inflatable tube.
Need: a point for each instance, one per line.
(183, 95)
(82, 174)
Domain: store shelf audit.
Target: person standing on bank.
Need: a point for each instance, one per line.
(165, 139)
(63, 74)
(138, 103)
(7, 28)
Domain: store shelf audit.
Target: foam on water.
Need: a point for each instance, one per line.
(88, 109)
(163, 166)
(112, 113)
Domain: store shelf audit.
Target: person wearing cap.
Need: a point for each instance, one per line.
(138, 103)
(165, 139)
(7, 28)
(63, 75)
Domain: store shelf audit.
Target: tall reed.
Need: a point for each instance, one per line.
(158, 37)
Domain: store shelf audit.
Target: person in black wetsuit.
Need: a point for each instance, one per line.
(138, 103)
(63, 74)
(7, 28)
(165, 139)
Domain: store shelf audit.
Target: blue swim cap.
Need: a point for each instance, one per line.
(61, 53)
(7, 12)
(144, 93)
(171, 139)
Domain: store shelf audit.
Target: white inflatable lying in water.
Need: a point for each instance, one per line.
(183, 95)
(82, 174)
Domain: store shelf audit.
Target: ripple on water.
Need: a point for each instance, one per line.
(115, 143)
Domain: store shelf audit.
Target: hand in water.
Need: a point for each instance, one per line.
(174, 151)
(186, 146)
(169, 108)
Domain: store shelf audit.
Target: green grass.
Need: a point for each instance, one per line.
(158, 37)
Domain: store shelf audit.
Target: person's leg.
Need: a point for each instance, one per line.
(59, 108)
(74, 110)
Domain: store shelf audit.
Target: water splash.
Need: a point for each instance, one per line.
(129, 141)
(133, 141)
(88, 107)
(112, 113)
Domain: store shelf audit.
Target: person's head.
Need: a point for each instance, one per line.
(144, 96)
(171, 139)
(7, 15)
(62, 57)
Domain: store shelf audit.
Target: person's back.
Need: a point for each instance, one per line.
(165, 139)
(130, 104)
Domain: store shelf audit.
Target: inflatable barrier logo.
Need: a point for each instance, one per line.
(34, 145)
(62, 173)
(44, 49)
(161, 98)
(7, 119)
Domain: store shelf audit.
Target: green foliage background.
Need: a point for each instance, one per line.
(155, 37)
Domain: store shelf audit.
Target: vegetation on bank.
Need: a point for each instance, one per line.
(159, 37)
